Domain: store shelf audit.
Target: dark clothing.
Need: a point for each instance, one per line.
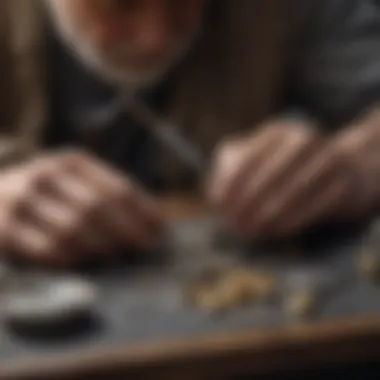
(82, 114)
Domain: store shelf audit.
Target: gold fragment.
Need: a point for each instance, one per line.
(369, 264)
(302, 304)
(228, 289)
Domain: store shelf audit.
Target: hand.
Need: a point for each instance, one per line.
(60, 208)
(280, 180)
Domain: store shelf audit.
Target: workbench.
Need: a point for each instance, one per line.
(145, 332)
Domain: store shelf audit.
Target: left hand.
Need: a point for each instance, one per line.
(280, 180)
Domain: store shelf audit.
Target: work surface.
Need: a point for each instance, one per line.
(143, 323)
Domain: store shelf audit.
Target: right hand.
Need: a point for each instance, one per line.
(60, 208)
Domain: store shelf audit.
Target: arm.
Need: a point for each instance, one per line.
(337, 72)
(321, 163)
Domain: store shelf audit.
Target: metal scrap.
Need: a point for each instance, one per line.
(230, 288)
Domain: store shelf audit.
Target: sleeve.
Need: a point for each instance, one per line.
(335, 66)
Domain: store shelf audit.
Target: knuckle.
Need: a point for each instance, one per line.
(91, 203)
(223, 149)
(40, 176)
(306, 132)
(275, 127)
(73, 158)
(78, 221)
(30, 187)
(227, 147)
(49, 246)
(122, 191)
(67, 231)
(67, 226)
(24, 201)
(231, 155)
(20, 206)
(33, 243)
(303, 138)
(18, 209)
(75, 154)
(62, 230)
(42, 181)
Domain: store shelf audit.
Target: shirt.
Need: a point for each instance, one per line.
(334, 70)
(82, 114)
(333, 73)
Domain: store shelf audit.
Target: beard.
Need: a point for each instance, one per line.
(113, 63)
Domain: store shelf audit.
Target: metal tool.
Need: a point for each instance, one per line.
(170, 137)
(167, 134)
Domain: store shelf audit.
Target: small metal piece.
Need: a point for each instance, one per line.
(206, 281)
(369, 264)
(305, 291)
(212, 275)
(50, 302)
(253, 285)
(302, 304)
(207, 300)
(233, 294)
(230, 288)
(167, 134)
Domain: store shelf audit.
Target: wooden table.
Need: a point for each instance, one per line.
(292, 347)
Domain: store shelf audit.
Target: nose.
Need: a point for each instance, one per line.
(154, 31)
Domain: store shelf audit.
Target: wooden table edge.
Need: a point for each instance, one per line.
(293, 346)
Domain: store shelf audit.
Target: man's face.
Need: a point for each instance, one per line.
(129, 42)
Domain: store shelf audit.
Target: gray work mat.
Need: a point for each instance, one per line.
(144, 303)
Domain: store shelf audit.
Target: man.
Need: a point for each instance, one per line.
(229, 73)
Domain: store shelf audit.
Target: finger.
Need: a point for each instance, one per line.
(62, 207)
(29, 179)
(131, 214)
(128, 228)
(95, 240)
(236, 164)
(315, 209)
(235, 159)
(312, 178)
(41, 172)
(68, 188)
(68, 225)
(33, 243)
(267, 181)
(112, 183)
(114, 222)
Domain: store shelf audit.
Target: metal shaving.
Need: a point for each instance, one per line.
(369, 264)
(302, 304)
(230, 288)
